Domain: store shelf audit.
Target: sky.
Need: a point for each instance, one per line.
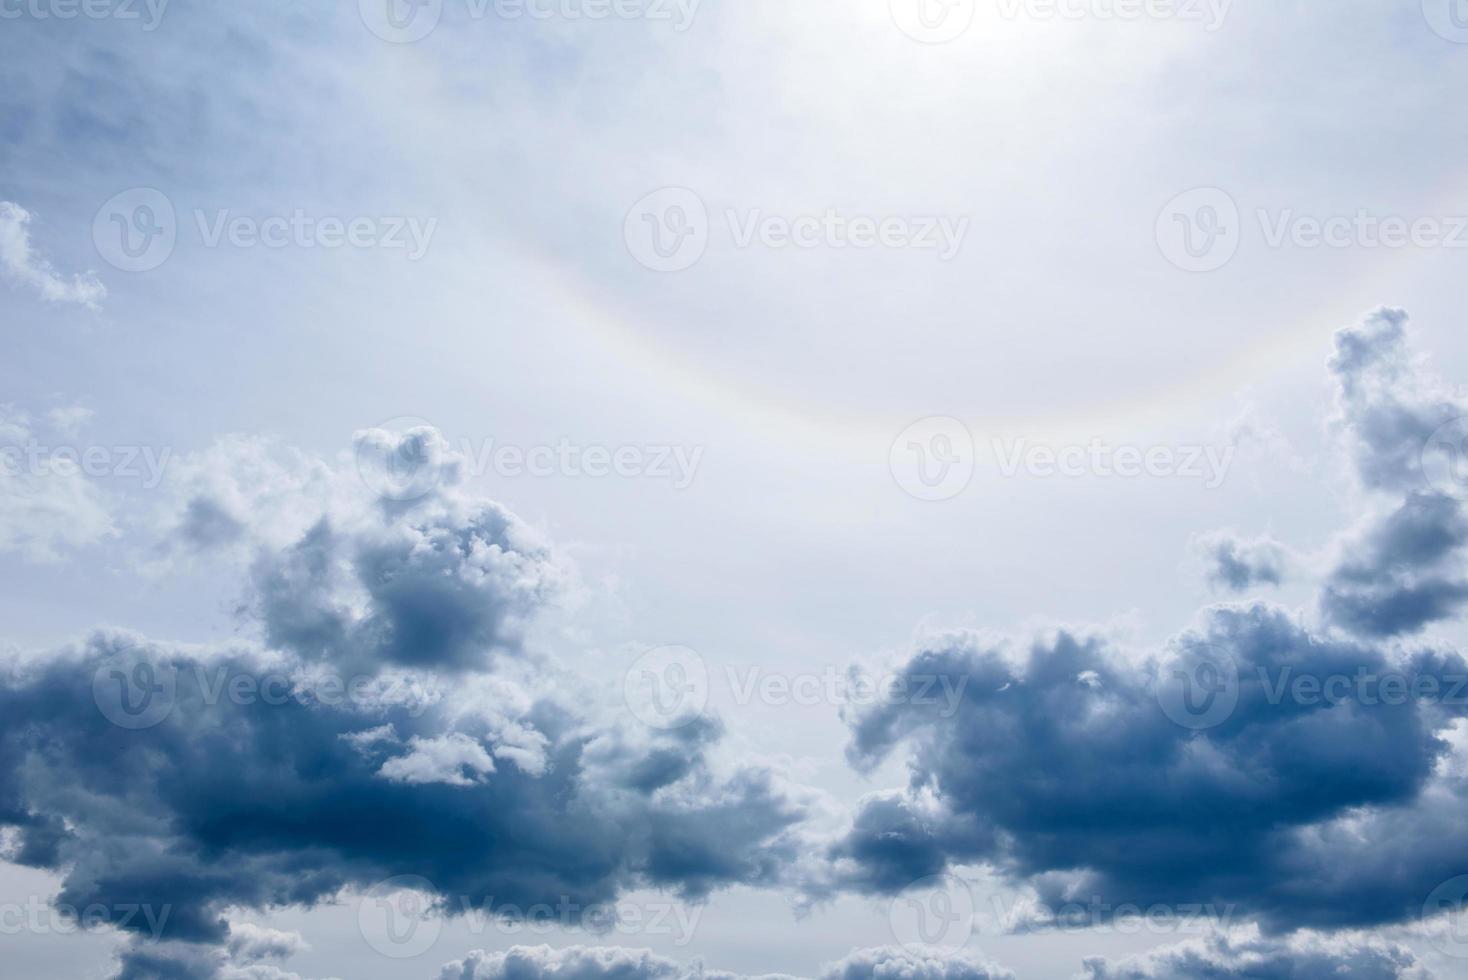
(841, 489)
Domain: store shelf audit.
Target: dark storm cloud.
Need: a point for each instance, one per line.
(1328, 804)
(1404, 573)
(1404, 569)
(377, 735)
(1062, 762)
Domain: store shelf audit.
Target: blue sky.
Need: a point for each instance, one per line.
(630, 327)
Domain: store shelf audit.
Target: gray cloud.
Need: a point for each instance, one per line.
(1064, 769)
(616, 963)
(1236, 564)
(1251, 957)
(389, 725)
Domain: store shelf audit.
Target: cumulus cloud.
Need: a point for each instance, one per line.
(1079, 769)
(248, 956)
(1403, 569)
(1236, 564)
(1252, 957)
(616, 963)
(21, 263)
(386, 681)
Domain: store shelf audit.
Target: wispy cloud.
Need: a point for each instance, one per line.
(22, 263)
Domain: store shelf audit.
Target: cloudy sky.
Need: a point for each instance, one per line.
(636, 489)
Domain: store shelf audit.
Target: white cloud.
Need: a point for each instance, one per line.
(20, 262)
